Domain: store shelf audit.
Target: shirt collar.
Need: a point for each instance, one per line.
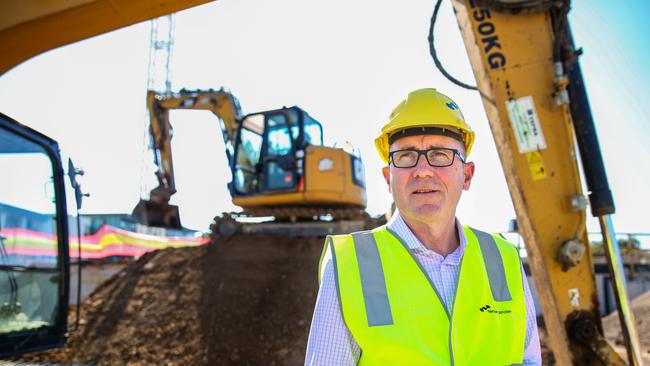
(397, 225)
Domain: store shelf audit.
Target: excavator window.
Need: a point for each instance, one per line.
(265, 153)
(279, 169)
(31, 265)
(279, 140)
(248, 154)
(313, 131)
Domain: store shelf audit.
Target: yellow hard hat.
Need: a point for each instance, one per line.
(425, 111)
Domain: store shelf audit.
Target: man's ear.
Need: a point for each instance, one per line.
(468, 173)
(386, 172)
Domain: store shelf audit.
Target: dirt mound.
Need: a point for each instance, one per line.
(612, 329)
(641, 310)
(247, 300)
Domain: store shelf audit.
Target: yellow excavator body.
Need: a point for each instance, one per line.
(329, 180)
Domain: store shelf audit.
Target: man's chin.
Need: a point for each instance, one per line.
(425, 212)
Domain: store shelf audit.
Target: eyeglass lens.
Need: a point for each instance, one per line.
(435, 157)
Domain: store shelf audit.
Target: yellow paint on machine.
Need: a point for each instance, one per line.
(512, 58)
(328, 181)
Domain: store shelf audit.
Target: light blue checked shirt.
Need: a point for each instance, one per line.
(330, 342)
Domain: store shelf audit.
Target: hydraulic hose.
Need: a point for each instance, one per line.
(600, 196)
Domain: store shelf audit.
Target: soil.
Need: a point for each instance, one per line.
(247, 300)
(612, 330)
(641, 310)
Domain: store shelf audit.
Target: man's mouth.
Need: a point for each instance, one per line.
(424, 191)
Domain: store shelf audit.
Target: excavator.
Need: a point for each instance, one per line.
(279, 167)
(529, 78)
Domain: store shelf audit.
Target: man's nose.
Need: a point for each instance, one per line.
(422, 168)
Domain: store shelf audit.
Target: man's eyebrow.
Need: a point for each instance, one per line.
(412, 147)
(406, 147)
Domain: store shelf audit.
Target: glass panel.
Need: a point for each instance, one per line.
(278, 169)
(248, 154)
(279, 141)
(29, 281)
(293, 116)
(278, 178)
(313, 131)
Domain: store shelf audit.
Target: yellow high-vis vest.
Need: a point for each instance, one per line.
(396, 316)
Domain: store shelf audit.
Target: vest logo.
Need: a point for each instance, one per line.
(488, 309)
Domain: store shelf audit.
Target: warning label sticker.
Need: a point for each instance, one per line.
(525, 123)
(536, 165)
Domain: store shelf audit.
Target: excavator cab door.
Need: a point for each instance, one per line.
(34, 259)
(279, 160)
(247, 166)
(265, 152)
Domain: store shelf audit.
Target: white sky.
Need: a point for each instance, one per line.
(347, 63)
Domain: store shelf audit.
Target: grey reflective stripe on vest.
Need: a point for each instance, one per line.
(373, 283)
(494, 266)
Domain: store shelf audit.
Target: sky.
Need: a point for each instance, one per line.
(347, 64)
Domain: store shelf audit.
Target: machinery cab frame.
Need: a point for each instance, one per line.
(280, 161)
(270, 151)
(34, 265)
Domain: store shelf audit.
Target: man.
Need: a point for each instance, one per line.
(423, 289)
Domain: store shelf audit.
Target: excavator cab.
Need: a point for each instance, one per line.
(280, 162)
(34, 259)
(270, 150)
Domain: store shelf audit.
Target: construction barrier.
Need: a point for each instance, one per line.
(107, 242)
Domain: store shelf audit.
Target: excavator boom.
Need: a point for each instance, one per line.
(156, 211)
(524, 63)
(29, 28)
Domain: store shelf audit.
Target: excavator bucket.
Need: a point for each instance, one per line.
(160, 214)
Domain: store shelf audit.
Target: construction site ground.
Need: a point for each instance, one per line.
(246, 300)
(641, 310)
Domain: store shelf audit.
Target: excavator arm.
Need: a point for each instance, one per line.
(29, 28)
(157, 211)
(529, 78)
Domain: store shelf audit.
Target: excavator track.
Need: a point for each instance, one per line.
(292, 221)
(302, 213)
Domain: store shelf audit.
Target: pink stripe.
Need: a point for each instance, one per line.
(12, 232)
(131, 245)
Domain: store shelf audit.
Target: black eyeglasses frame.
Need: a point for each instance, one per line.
(424, 152)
